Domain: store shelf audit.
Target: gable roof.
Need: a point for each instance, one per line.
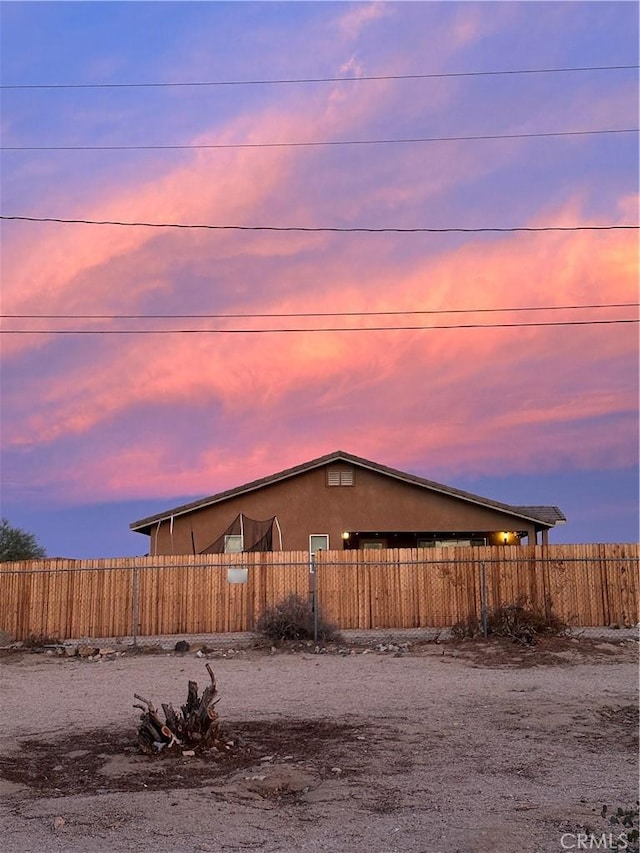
(544, 516)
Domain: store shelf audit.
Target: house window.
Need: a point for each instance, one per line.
(233, 543)
(318, 542)
(449, 543)
(340, 477)
(373, 544)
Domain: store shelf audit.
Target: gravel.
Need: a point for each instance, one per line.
(463, 748)
(350, 637)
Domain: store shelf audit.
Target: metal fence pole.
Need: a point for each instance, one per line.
(250, 599)
(483, 576)
(314, 595)
(136, 589)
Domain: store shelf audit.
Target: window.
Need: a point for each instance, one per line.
(340, 477)
(233, 543)
(318, 542)
(449, 543)
(373, 544)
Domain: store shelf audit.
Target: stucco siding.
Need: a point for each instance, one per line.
(304, 504)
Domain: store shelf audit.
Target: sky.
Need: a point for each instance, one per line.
(141, 413)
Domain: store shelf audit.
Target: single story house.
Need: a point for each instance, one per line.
(341, 501)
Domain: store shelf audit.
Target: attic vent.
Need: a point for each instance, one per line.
(340, 477)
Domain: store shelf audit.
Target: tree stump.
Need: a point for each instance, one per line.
(196, 727)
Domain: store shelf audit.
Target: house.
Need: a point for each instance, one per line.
(341, 501)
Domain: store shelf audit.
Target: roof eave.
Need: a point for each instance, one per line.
(183, 509)
(145, 525)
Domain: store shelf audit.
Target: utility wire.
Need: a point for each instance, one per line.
(332, 229)
(312, 313)
(308, 331)
(232, 145)
(370, 77)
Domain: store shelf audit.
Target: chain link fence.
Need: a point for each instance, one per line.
(356, 590)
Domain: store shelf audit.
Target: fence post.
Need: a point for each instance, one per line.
(135, 616)
(483, 594)
(313, 570)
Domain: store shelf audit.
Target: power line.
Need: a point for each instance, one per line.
(363, 78)
(331, 229)
(233, 145)
(310, 330)
(264, 316)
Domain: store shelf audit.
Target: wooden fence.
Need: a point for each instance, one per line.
(146, 596)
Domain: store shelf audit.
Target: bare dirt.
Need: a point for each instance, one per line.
(470, 747)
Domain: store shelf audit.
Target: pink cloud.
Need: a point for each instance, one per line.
(358, 17)
(42, 272)
(426, 387)
(481, 400)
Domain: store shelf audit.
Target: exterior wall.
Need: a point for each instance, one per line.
(305, 505)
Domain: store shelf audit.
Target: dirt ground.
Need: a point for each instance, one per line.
(469, 747)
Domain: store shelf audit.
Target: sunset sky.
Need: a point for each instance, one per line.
(101, 429)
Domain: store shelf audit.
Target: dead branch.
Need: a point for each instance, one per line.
(197, 724)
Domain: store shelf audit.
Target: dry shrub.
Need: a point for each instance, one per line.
(518, 621)
(524, 623)
(467, 629)
(36, 642)
(293, 619)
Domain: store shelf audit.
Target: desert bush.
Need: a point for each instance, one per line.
(293, 619)
(618, 827)
(524, 623)
(467, 629)
(518, 621)
(627, 819)
(36, 642)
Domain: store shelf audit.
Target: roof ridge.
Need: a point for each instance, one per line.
(546, 515)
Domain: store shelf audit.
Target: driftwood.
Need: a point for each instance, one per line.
(196, 727)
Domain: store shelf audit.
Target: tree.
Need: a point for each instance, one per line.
(16, 544)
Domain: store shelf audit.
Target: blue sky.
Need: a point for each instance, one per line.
(101, 429)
